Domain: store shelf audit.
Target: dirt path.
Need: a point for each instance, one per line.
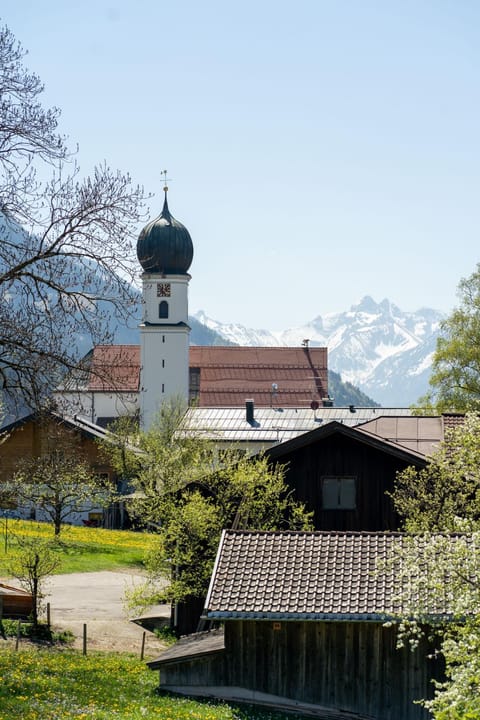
(97, 599)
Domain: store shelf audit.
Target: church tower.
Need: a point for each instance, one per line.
(165, 252)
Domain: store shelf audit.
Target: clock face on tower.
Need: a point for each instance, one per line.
(163, 289)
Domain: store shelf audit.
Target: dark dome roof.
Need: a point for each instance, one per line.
(165, 245)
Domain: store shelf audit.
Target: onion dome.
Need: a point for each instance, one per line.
(164, 245)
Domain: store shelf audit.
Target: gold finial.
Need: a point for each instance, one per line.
(165, 180)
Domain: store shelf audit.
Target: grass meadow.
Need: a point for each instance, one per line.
(80, 549)
(66, 685)
(53, 683)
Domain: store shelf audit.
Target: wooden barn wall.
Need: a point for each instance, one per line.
(27, 441)
(374, 470)
(350, 666)
(208, 670)
(21, 443)
(186, 615)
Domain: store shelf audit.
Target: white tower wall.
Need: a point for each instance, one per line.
(164, 343)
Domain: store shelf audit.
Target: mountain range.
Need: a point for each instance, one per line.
(385, 352)
(376, 352)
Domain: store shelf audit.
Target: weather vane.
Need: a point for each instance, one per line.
(165, 180)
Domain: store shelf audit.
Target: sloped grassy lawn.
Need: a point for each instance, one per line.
(54, 685)
(80, 549)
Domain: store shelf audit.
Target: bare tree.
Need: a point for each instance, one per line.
(35, 562)
(66, 243)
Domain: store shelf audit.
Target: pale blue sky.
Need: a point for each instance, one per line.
(319, 151)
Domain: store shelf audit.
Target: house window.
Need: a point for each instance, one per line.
(163, 309)
(339, 492)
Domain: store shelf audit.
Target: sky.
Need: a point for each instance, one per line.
(317, 151)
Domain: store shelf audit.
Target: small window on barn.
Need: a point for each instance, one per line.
(339, 493)
(163, 309)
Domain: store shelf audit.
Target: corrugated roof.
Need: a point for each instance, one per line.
(311, 437)
(312, 576)
(419, 433)
(192, 646)
(275, 424)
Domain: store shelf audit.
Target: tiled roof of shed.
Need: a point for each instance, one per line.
(309, 576)
(453, 420)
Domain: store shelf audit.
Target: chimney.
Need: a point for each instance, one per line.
(249, 411)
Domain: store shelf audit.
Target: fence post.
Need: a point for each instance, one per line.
(143, 646)
(84, 638)
(48, 615)
(18, 635)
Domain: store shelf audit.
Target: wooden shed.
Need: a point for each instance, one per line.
(304, 628)
(15, 603)
(344, 475)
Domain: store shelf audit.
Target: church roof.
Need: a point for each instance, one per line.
(115, 368)
(278, 376)
(164, 245)
(227, 376)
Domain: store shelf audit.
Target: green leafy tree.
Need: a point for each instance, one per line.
(446, 493)
(445, 497)
(189, 489)
(35, 562)
(455, 378)
(443, 571)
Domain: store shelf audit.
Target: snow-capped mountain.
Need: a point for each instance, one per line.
(386, 352)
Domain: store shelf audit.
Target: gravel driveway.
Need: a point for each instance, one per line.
(98, 599)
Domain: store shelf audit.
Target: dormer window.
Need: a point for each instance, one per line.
(163, 310)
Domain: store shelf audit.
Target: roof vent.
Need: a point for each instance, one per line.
(250, 411)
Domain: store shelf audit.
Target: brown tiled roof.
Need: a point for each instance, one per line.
(453, 420)
(310, 576)
(115, 368)
(230, 375)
